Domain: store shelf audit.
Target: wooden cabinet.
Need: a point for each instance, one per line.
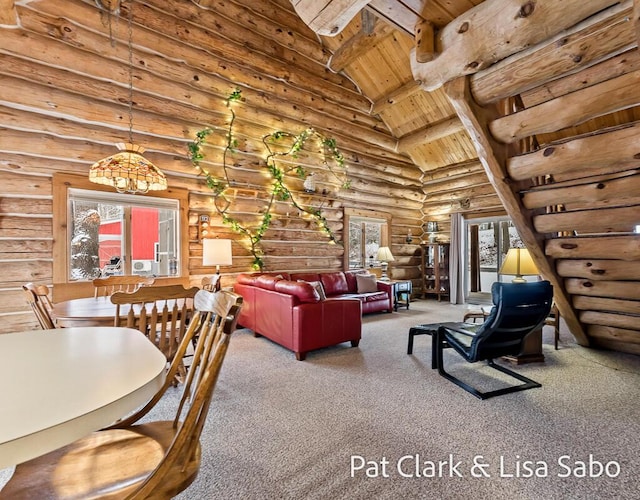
(435, 269)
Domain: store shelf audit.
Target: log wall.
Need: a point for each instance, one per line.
(64, 105)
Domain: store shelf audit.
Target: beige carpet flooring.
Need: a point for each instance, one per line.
(285, 429)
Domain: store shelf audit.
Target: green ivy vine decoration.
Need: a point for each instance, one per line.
(290, 145)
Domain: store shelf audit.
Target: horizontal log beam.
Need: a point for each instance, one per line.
(610, 319)
(618, 335)
(570, 110)
(605, 247)
(603, 220)
(616, 149)
(602, 193)
(614, 289)
(587, 43)
(494, 30)
(453, 170)
(619, 65)
(586, 303)
(464, 193)
(429, 134)
(463, 205)
(599, 269)
(455, 183)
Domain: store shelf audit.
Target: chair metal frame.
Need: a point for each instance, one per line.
(519, 309)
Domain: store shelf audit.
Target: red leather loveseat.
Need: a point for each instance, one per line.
(289, 310)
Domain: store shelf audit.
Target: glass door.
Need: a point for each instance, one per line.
(486, 244)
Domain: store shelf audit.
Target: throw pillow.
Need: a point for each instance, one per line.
(319, 288)
(366, 283)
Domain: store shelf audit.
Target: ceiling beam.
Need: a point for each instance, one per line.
(359, 45)
(328, 17)
(494, 30)
(403, 92)
(571, 52)
(431, 133)
(494, 157)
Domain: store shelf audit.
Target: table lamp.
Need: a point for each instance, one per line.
(216, 252)
(384, 256)
(518, 262)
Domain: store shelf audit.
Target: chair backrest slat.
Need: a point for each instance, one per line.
(160, 312)
(104, 287)
(37, 297)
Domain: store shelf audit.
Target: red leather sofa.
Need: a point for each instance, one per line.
(288, 310)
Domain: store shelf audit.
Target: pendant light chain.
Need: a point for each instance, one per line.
(127, 171)
(130, 47)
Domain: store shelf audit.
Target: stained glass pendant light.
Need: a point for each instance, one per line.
(128, 171)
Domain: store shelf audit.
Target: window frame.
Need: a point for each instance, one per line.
(370, 216)
(62, 182)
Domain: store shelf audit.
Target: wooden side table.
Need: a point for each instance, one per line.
(401, 293)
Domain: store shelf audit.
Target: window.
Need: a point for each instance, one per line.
(121, 234)
(367, 231)
(102, 232)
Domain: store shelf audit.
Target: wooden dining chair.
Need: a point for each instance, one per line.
(160, 312)
(133, 460)
(38, 299)
(104, 287)
(211, 283)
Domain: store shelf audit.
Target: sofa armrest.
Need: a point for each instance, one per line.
(326, 323)
(383, 286)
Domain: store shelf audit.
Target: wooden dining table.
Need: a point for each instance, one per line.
(62, 384)
(90, 311)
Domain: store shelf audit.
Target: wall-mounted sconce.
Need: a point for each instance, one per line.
(409, 237)
(203, 227)
(309, 184)
(432, 229)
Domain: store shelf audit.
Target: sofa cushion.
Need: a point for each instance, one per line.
(351, 279)
(364, 297)
(366, 283)
(318, 286)
(250, 278)
(334, 283)
(303, 290)
(247, 279)
(305, 277)
(267, 282)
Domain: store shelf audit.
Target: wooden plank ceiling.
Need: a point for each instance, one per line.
(539, 99)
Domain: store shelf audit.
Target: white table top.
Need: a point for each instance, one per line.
(60, 385)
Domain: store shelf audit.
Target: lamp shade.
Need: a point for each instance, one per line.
(518, 262)
(128, 171)
(216, 252)
(385, 255)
